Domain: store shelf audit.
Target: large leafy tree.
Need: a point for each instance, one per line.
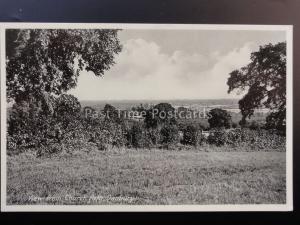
(41, 61)
(41, 66)
(264, 80)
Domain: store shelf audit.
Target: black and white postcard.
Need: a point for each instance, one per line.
(144, 117)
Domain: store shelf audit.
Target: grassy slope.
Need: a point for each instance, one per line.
(149, 177)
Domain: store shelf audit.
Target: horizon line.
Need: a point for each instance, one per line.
(159, 99)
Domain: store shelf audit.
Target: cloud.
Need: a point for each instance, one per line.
(143, 71)
(137, 59)
(235, 59)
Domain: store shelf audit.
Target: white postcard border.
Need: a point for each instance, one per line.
(135, 208)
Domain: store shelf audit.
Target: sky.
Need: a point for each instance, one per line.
(174, 64)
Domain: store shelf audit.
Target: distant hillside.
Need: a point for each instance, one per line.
(196, 103)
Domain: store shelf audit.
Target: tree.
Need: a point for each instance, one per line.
(162, 113)
(49, 60)
(191, 135)
(41, 65)
(219, 118)
(264, 78)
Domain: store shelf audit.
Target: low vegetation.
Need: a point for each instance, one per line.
(209, 175)
(60, 125)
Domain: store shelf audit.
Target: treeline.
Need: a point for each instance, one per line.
(59, 124)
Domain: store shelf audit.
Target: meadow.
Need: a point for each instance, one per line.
(143, 176)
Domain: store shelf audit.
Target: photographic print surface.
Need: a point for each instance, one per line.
(141, 117)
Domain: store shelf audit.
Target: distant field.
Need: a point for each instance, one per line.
(148, 177)
(127, 104)
(194, 103)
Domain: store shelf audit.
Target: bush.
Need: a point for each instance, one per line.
(169, 135)
(154, 136)
(253, 125)
(137, 136)
(263, 139)
(105, 133)
(244, 138)
(192, 135)
(41, 122)
(217, 137)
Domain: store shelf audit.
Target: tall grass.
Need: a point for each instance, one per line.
(128, 176)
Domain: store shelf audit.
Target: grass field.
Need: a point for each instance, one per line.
(147, 177)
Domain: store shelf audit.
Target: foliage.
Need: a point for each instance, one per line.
(155, 136)
(41, 66)
(264, 78)
(217, 137)
(255, 139)
(137, 136)
(277, 120)
(219, 118)
(105, 132)
(160, 114)
(59, 125)
(28, 125)
(112, 114)
(192, 135)
(31, 126)
(169, 135)
(67, 116)
(49, 60)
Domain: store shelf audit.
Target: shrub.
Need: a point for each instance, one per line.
(36, 123)
(154, 136)
(118, 135)
(253, 125)
(255, 139)
(107, 133)
(169, 135)
(217, 137)
(192, 135)
(263, 139)
(137, 136)
(26, 124)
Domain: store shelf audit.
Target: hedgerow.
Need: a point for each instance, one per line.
(192, 135)
(65, 129)
(255, 139)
